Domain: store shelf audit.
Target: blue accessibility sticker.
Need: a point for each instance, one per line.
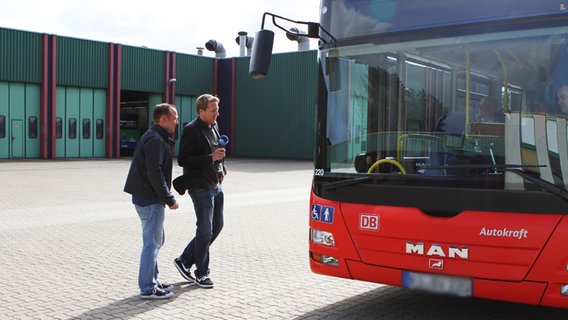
(316, 212)
(322, 213)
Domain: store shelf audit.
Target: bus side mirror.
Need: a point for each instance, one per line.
(261, 54)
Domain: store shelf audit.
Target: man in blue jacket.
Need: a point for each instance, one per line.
(201, 157)
(149, 182)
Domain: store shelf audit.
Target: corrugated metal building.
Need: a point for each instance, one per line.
(62, 97)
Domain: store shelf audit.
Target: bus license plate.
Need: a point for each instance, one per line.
(437, 283)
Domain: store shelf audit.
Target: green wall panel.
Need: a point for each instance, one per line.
(17, 136)
(17, 98)
(142, 69)
(72, 133)
(85, 106)
(186, 112)
(85, 134)
(99, 113)
(275, 115)
(4, 111)
(32, 107)
(60, 98)
(194, 74)
(20, 56)
(82, 63)
(153, 100)
(18, 103)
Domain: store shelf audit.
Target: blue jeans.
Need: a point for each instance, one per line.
(208, 204)
(153, 237)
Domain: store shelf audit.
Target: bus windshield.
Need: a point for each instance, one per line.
(461, 109)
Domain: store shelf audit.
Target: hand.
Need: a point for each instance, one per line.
(218, 154)
(174, 206)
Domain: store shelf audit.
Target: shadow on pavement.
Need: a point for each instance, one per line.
(401, 304)
(134, 306)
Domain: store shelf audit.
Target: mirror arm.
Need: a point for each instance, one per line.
(314, 28)
(264, 40)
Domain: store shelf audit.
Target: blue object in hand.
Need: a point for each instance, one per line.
(223, 140)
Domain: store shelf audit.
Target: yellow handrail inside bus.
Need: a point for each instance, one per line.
(399, 145)
(391, 161)
(506, 85)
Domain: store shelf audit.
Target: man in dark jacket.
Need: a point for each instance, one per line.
(149, 182)
(201, 157)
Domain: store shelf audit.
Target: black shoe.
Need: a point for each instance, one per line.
(166, 286)
(157, 293)
(205, 282)
(186, 274)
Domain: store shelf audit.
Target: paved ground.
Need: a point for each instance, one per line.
(70, 243)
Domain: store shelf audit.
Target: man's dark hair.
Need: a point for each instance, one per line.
(162, 109)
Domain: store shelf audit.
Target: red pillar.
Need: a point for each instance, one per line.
(47, 97)
(169, 95)
(113, 102)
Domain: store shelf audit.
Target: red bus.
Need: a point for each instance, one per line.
(441, 160)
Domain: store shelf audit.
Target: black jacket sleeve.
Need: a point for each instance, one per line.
(154, 153)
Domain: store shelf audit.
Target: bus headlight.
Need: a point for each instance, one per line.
(322, 237)
(330, 261)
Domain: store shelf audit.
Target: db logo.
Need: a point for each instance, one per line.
(368, 222)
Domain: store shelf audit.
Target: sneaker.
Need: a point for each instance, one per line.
(157, 293)
(186, 274)
(166, 286)
(205, 282)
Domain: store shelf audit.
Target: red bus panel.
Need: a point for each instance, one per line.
(505, 256)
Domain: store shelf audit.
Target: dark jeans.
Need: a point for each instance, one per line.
(208, 204)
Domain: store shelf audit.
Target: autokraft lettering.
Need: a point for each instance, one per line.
(437, 250)
(504, 233)
(369, 221)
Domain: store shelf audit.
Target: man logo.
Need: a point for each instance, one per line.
(436, 264)
(368, 222)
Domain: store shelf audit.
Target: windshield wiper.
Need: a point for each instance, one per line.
(350, 180)
(545, 185)
(516, 169)
(487, 166)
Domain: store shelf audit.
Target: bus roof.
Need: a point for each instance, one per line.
(353, 18)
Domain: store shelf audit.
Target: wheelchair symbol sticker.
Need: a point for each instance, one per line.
(322, 213)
